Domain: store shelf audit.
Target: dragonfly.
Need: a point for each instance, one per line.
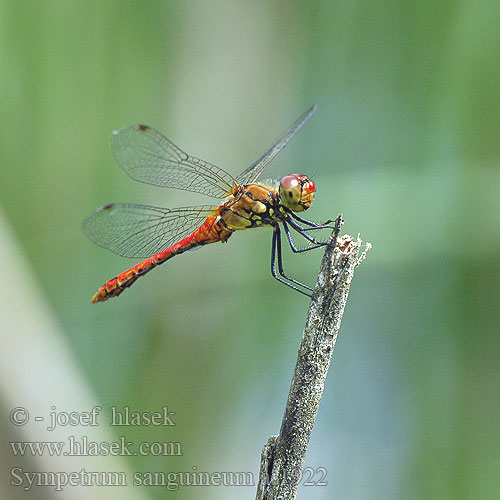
(158, 234)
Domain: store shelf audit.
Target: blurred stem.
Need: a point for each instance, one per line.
(283, 455)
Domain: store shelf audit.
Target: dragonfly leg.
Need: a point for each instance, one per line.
(317, 244)
(302, 232)
(280, 261)
(313, 225)
(276, 252)
(322, 226)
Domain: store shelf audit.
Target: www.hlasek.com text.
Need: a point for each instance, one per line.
(83, 447)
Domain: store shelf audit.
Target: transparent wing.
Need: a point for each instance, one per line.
(149, 157)
(141, 231)
(252, 173)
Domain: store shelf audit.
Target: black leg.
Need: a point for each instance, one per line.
(311, 223)
(292, 244)
(301, 231)
(280, 261)
(326, 226)
(276, 245)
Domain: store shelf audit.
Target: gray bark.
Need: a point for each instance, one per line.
(283, 456)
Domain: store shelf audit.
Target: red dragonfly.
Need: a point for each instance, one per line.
(141, 231)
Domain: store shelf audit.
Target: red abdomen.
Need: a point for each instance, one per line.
(212, 230)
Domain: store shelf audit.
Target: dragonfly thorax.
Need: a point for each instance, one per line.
(296, 192)
(252, 205)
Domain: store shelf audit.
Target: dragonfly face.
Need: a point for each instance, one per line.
(296, 192)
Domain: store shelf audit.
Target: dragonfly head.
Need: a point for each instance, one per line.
(296, 192)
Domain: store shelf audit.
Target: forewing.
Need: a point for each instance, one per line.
(252, 173)
(141, 231)
(148, 156)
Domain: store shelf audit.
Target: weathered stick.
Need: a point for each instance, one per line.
(283, 455)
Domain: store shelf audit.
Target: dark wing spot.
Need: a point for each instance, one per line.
(109, 206)
(143, 127)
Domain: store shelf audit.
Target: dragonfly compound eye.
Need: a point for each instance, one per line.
(297, 192)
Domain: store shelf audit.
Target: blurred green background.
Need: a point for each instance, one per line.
(405, 144)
